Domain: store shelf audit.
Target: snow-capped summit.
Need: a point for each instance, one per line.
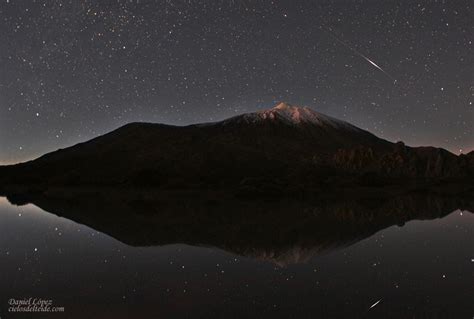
(292, 115)
(302, 114)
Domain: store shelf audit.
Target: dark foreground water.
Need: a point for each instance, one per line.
(423, 269)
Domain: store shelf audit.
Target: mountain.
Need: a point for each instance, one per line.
(286, 148)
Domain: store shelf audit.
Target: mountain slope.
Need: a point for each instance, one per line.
(285, 144)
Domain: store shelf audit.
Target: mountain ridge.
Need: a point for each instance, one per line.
(285, 146)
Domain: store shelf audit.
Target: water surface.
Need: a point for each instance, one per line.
(420, 269)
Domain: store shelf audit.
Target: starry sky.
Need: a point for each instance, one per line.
(73, 70)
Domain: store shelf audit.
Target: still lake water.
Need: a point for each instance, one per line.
(423, 269)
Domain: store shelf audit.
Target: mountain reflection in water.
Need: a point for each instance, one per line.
(335, 258)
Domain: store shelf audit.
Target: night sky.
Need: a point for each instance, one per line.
(72, 70)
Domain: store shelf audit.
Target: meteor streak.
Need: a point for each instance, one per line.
(362, 56)
(375, 304)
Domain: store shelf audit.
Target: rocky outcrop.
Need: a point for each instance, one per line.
(403, 161)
